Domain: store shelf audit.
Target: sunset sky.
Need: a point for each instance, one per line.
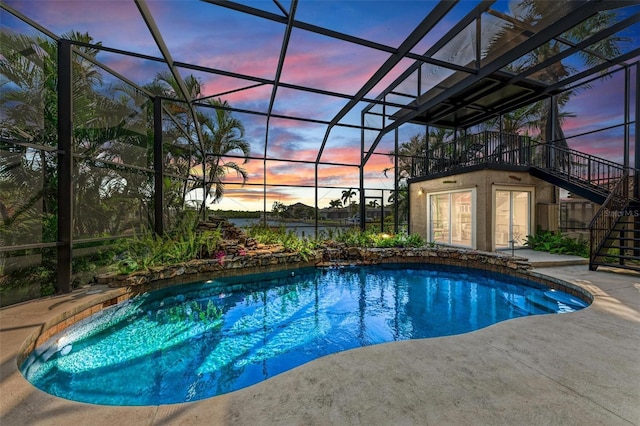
(216, 37)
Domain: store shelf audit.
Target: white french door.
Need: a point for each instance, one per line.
(451, 218)
(512, 210)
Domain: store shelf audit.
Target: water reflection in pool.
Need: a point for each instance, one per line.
(195, 341)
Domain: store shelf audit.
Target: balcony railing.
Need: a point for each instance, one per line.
(490, 147)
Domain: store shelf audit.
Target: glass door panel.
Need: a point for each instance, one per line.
(512, 218)
(440, 218)
(503, 219)
(520, 208)
(461, 218)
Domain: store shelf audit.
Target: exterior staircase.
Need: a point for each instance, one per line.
(615, 228)
(614, 231)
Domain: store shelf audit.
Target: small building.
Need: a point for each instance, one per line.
(483, 209)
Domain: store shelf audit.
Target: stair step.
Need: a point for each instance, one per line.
(615, 265)
(619, 256)
(547, 304)
(520, 303)
(624, 247)
(566, 298)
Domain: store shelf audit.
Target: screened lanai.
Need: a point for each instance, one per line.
(118, 116)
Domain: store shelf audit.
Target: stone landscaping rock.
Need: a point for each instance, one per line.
(239, 252)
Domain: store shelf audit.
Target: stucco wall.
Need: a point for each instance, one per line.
(483, 181)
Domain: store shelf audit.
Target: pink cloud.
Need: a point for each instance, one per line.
(596, 107)
(98, 18)
(335, 65)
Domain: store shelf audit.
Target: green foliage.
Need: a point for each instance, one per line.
(36, 278)
(148, 250)
(353, 237)
(233, 214)
(555, 242)
(289, 239)
(368, 238)
(266, 234)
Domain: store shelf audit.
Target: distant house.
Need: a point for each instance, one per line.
(300, 211)
(332, 213)
(350, 214)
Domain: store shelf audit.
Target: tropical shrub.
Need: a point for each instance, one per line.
(148, 250)
(289, 239)
(368, 238)
(557, 243)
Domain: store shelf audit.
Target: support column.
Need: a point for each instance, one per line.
(627, 115)
(396, 188)
(636, 164)
(316, 195)
(361, 207)
(65, 168)
(158, 168)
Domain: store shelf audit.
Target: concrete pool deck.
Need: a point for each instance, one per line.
(581, 368)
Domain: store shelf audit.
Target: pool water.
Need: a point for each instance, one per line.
(199, 340)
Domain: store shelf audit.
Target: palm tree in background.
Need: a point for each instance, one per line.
(335, 204)
(179, 134)
(400, 196)
(28, 79)
(222, 135)
(547, 116)
(347, 194)
(413, 153)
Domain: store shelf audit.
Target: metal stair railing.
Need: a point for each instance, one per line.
(605, 219)
(589, 171)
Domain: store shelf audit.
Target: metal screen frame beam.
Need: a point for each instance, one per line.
(158, 169)
(65, 167)
(274, 91)
(168, 60)
(259, 13)
(455, 30)
(426, 25)
(581, 11)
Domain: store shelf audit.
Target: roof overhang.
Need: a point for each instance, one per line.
(479, 102)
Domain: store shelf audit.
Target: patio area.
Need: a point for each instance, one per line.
(112, 127)
(579, 368)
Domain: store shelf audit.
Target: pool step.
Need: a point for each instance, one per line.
(542, 302)
(565, 298)
(523, 304)
(551, 301)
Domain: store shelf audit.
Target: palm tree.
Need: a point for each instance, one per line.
(28, 78)
(346, 197)
(547, 115)
(401, 197)
(413, 153)
(335, 204)
(222, 134)
(180, 135)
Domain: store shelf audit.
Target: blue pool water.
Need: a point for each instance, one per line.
(195, 341)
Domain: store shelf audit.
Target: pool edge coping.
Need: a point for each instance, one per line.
(115, 295)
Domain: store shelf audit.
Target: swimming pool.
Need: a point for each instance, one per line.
(195, 341)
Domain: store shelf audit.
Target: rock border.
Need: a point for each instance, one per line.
(265, 258)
